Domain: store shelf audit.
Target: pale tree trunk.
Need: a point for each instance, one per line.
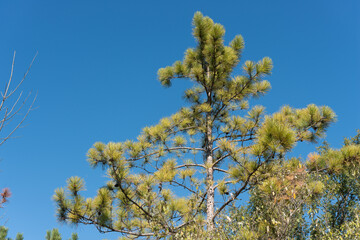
(210, 204)
(210, 197)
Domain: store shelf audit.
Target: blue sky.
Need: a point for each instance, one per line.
(95, 75)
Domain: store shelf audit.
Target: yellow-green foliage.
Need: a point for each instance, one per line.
(189, 172)
(276, 136)
(167, 172)
(335, 160)
(179, 141)
(222, 188)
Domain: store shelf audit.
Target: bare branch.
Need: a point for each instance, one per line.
(9, 111)
(220, 170)
(190, 165)
(20, 123)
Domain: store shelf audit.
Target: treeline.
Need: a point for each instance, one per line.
(50, 235)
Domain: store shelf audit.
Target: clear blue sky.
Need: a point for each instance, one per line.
(96, 80)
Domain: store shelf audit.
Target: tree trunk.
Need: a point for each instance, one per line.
(210, 204)
(210, 197)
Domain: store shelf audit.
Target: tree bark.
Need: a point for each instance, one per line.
(210, 204)
(210, 197)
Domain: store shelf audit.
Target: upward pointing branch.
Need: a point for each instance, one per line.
(8, 110)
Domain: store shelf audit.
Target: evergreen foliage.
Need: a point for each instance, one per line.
(4, 233)
(50, 235)
(53, 235)
(179, 176)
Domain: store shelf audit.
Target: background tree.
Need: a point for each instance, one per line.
(74, 236)
(4, 232)
(338, 169)
(53, 235)
(316, 200)
(278, 205)
(209, 152)
(50, 235)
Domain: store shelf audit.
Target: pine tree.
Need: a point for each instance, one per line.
(19, 236)
(74, 236)
(183, 172)
(4, 232)
(50, 235)
(53, 235)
